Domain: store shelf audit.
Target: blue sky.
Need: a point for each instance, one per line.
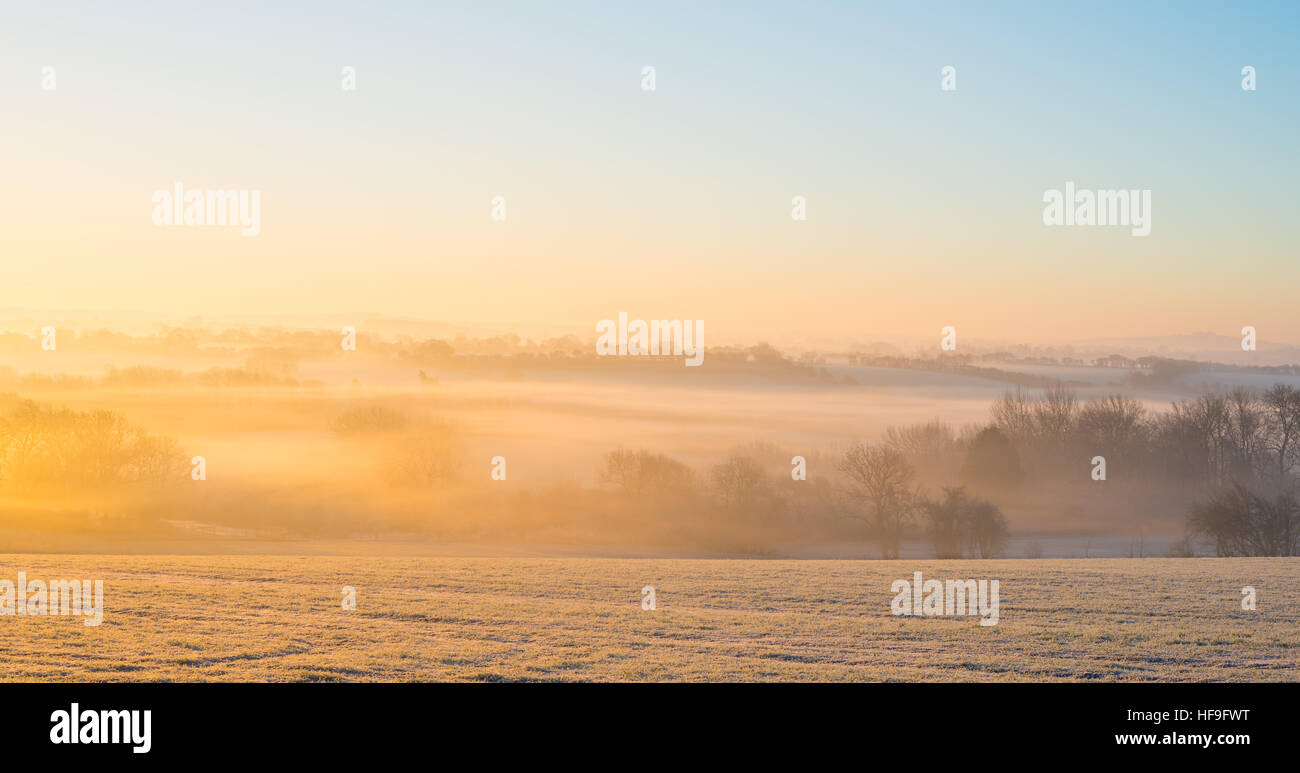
(756, 102)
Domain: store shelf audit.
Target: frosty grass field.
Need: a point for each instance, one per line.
(279, 618)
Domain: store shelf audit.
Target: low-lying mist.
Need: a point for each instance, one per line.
(760, 455)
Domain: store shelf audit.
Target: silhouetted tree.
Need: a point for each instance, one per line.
(638, 472)
(986, 528)
(1282, 408)
(1112, 426)
(992, 460)
(946, 522)
(1240, 522)
(1013, 415)
(881, 478)
(1054, 416)
(746, 491)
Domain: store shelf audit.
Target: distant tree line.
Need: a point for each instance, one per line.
(1237, 451)
(50, 451)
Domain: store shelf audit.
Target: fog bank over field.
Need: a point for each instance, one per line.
(506, 442)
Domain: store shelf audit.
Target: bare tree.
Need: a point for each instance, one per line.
(986, 528)
(1113, 422)
(881, 476)
(46, 449)
(1013, 415)
(946, 518)
(1240, 522)
(1282, 411)
(639, 472)
(1055, 414)
(622, 470)
(1196, 431)
(1245, 432)
(740, 482)
(932, 447)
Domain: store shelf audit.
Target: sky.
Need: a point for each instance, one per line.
(924, 206)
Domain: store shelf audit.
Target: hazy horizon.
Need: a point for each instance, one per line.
(1215, 346)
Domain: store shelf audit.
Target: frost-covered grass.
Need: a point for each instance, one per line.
(272, 618)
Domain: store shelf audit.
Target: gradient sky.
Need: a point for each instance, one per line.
(924, 206)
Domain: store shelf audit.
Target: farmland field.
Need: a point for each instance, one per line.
(279, 618)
